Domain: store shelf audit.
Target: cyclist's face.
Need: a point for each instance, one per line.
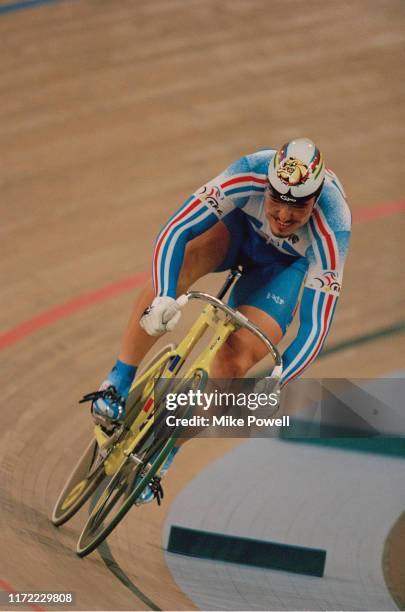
(285, 219)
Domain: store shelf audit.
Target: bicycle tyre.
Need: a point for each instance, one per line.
(65, 509)
(61, 515)
(91, 536)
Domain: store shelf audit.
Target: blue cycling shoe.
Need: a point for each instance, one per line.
(107, 403)
(110, 405)
(154, 488)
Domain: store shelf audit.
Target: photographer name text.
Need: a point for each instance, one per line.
(217, 401)
(227, 421)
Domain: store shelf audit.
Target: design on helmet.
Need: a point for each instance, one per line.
(293, 171)
(297, 169)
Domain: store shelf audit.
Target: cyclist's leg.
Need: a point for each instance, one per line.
(268, 296)
(243, 350)
(203, 255)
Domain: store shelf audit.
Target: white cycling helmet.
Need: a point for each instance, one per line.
(297, 171)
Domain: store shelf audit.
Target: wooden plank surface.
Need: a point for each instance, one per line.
(111, 114)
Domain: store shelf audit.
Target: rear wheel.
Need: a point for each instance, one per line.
(131, 478)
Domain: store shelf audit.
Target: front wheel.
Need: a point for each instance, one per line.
(134, 474)
(87, 474)
(89, 471)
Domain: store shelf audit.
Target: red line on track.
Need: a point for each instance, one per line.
(376, 212)
(68, 308)
(89, 299)
(7, 587)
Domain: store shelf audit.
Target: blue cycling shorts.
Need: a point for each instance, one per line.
(271, 280)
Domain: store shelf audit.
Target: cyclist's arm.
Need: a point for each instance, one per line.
(199, 213)
(318, 303)
(316, 314)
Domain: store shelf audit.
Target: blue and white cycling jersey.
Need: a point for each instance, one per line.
(321, 244)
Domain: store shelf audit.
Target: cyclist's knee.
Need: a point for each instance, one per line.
(242, 351)
(232, 363)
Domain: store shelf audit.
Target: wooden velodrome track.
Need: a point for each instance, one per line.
(111, 114)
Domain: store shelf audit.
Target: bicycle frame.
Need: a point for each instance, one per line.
(173, 362)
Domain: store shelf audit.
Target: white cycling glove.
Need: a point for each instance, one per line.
(161, 316)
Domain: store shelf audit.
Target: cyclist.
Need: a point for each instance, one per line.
(285, 219)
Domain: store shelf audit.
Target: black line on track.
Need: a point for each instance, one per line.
(364, 338)
(359, 340)
(107, 557)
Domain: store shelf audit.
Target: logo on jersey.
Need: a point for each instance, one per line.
(293, 238)
(276, 298)
(293, 171)
(212, 195)
(327, 281)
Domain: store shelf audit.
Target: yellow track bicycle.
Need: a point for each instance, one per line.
(120, 462)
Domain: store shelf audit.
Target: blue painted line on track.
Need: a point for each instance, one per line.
(26, 4)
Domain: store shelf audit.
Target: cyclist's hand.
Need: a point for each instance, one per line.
(161, 316)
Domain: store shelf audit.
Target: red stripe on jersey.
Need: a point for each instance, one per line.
(328, 239)
(173, 222)
(244, 179)
(314, 353)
